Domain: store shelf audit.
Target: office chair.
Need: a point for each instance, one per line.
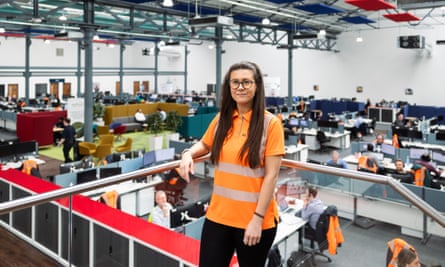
(102, 151)
(322, 139)
(320, 236)
(106, 139)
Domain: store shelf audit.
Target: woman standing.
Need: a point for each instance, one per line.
(246, 145)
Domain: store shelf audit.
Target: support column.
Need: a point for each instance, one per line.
(156, 66)
(289, 70)
(79, 67)
(186, 54)
(121, 67)
(218, 45)
(27, 73)
(88, 96)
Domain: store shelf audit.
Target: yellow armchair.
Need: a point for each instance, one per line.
(102, 151)
(125, 147)
(106, 139)
(87, 148)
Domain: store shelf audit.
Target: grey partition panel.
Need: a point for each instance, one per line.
(80, 239)
(47, 225)
(21, 220)
(4, 197)
(144, 256)
(435, 198)
(110, 249)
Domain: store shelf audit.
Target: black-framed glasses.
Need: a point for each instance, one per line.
(234, 84)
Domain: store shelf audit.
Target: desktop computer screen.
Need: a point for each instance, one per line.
(164, 154)
(105, 172)
(293, 122)
(328, 124)
(139, 153)
(440, 136)
(86, 176)
(416, 153)
(149, 158)
(388, 149)
(438, 157)
(121, 156)
(178, 216)
(304, 123)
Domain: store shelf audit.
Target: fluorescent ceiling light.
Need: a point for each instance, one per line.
(265, 21)
(359, 39)
(63, 18)
(167, 3)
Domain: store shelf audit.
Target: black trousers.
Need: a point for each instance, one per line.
(66, 151)
(219, 242)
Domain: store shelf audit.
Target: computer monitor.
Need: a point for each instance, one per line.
(21, 148)
(149, 158)
(440, 136)
(105, 172)
(304, 123)
(388, 149)
(197, 210)
(178, 216)
(414, 134)
(433, 121)
(293, 122)
(438, 157)
(400, 131)
(416, 153)
(139, 153)
(166, 154)
(121, 156)
(71, 166)
(363, 146)
(327, 124)
(86, 176)
(406, 177)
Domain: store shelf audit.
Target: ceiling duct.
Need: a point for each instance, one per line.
(211, 21)
(305, 36)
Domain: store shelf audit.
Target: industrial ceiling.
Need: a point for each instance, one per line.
(185, 20)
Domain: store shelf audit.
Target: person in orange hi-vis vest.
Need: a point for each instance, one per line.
(394, 247)
(247, 145)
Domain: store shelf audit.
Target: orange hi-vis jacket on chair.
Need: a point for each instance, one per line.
(395, 141)
(28, 165)
(366, 163)
(334, 235)
(110, 198)
(394, 248)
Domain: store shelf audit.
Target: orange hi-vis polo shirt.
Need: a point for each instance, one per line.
(236, 185)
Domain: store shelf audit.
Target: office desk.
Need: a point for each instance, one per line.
(18, 164)
(136, 198)
(338, 140)
(297, 152)
(288, 229)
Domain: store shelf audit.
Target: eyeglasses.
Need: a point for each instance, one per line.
(234, 84)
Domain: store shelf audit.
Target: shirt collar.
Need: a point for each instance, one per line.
(246, 116)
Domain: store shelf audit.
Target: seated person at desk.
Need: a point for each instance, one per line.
(312, 209)
(401, 174)
(425, 160)
(301, 106)
(376, 157)
(160, 214)
(289, 128)
(358, 130)
(336, 161)
(378, 142)
(400, 120)
(139, 116)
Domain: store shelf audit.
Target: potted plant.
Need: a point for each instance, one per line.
(172, 123)
(98, 111)
(155, 126)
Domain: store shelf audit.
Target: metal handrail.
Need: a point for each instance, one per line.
(33, 200)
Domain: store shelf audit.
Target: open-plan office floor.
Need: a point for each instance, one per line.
(362, 247)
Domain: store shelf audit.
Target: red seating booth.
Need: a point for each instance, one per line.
(38, 126)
